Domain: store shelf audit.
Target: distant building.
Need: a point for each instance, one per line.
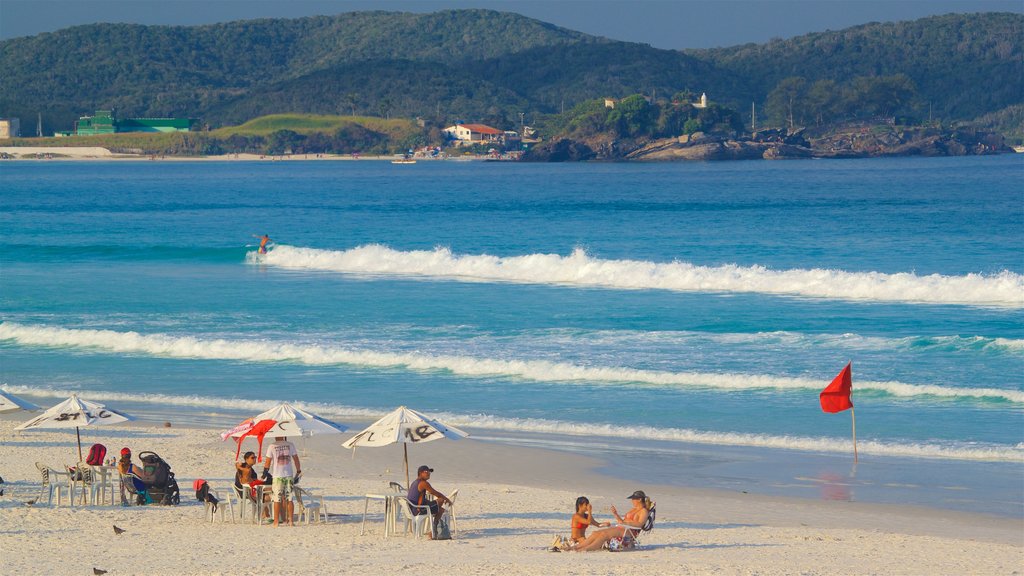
(610, 103)
(474, 133)
(703, 101)
(10, 128)
(104, 122)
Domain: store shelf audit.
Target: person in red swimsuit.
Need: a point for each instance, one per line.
(631, 522)
(583, 519)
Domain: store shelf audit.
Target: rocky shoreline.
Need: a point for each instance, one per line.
(847, 141)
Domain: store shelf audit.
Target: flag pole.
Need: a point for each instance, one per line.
(853, 419)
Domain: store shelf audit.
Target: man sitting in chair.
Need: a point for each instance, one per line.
(417, 495)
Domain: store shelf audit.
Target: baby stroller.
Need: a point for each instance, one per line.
(159, 480)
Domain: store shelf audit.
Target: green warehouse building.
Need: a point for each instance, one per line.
(104, 122)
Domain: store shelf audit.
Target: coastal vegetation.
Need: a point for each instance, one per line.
(490, 67)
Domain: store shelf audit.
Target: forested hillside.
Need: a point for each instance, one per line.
(963, 65)
(486, 66)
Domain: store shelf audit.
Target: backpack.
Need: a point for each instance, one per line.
(202, 489)
(441, 530)
(97, 454)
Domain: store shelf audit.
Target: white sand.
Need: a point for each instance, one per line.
(511, 501)
(38, 153)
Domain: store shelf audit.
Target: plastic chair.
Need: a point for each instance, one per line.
(417, 524)
(49, 478)
(451, 510)
(222, 504)
(102, 481)
(398, 488)
(310, 507)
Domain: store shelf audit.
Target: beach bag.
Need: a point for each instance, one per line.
(97, 454)
(441, 530)
(202, 488)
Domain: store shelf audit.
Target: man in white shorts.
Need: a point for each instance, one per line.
(283, 461)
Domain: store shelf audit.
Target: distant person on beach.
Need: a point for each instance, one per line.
(283, 461)
(583, 519)
(630, 523)
(418, 491)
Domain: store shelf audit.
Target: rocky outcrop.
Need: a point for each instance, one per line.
(847, 141)
(564, 150)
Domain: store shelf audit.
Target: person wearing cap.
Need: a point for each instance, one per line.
(418, 491)
(125, 467)
(630, 523)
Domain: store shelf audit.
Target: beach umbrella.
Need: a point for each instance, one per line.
(11, 403)
(76, 413)
(405, 426)
(281, 420)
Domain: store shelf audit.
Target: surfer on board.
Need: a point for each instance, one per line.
(263, 244)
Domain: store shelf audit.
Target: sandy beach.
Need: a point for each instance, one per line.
(511, 502)
(87, 153)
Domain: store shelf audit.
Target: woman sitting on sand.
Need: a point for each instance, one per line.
(631, 522)
(583, 519)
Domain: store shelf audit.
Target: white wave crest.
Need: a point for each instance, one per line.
(589, 429)
(1005, 289)
(536, 370)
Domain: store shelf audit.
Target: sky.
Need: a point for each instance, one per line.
(671, 24)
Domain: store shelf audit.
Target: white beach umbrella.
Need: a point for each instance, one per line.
(287, 421)
(11, 403)
(75, 413)
(405, 426)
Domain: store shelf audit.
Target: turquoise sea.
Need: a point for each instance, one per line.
(679, 318)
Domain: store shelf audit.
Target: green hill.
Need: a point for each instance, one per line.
(479, 65)
(964, 65)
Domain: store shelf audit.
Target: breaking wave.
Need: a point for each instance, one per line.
(1004, 289)
(190, 347)
(953, 451)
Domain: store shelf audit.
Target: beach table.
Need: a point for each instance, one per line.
(103, 483)
(390, 511)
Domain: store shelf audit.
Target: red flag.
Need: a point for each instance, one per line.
(836, 396)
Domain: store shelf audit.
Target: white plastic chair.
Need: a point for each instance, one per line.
(451, 510)
(310, 506)
(417, 524)
(222, 504)
(51, 481)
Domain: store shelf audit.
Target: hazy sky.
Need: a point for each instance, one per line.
(660, 23)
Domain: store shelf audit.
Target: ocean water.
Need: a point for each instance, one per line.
(678, 319)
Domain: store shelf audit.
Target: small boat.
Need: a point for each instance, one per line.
(404, 161)
(1018, 149)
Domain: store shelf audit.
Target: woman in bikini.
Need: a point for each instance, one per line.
(583, 519)
(632, 521)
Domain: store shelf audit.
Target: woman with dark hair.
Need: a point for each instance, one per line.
(583, 519)
(629, 524)
(244, 472)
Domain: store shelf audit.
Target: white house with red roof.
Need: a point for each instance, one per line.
(474, 133)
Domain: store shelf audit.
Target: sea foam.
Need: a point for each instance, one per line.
(590, 430)
(191, 347)
(1003, 289)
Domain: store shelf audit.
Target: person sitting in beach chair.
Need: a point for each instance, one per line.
(417, 496)
(627, 529)
(246, 480)
(131, 479)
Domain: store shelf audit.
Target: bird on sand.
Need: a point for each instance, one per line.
(119, 531)
(98, 572)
